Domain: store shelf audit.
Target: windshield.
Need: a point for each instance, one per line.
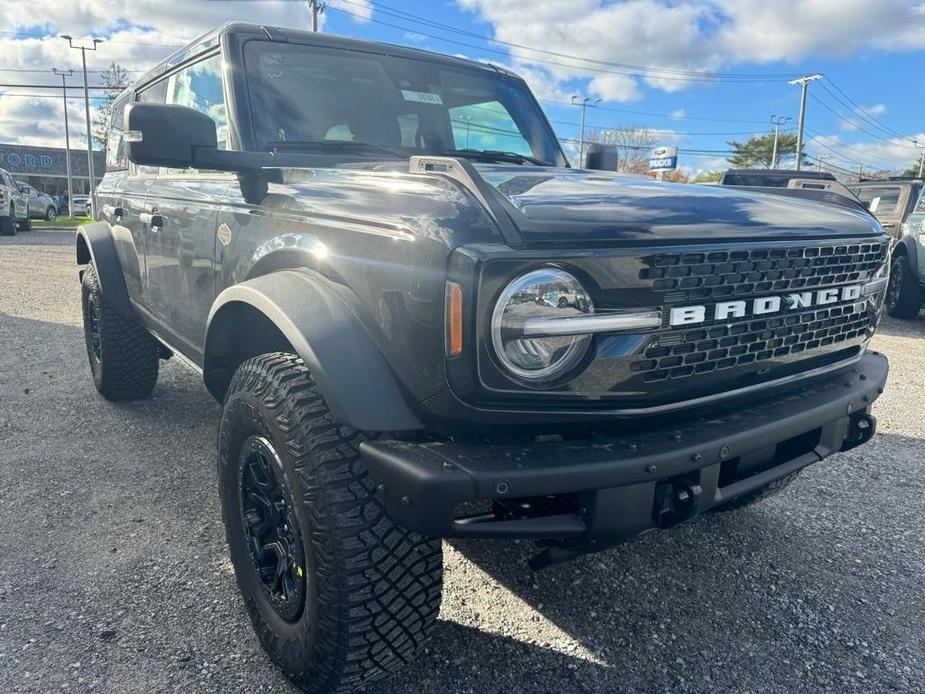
(311, 98)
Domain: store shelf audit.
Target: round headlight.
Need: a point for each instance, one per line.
(546, 294)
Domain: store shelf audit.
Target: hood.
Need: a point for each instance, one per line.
(559, 205)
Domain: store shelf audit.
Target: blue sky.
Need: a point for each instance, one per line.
(871, 51)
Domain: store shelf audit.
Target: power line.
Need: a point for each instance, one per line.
(45, 72)
(844, 145)
(854, 124)
(859, 109)
(659, 115)
(408, 16)
(550, 62)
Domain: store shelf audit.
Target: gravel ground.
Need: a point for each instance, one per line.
(115, 574)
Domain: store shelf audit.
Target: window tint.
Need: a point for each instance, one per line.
(880, 199)
(115, 148)
(487, 125)
(199, 86)
(154, 94)
(920, 206)
(303, 96)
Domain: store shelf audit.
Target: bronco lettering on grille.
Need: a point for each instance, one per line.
(728, 310)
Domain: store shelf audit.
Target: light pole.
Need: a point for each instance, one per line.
(777, 121)
(468, 120)
(67, 133)
(584, 102)
(803, 82)
(915, 143)
(83, 56)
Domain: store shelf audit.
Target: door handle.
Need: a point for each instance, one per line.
(152, 219)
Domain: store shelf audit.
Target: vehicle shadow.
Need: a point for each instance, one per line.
(914, 327)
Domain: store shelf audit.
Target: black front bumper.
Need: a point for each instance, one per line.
(622, 486)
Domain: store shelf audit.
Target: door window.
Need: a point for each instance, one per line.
(880, 200)
(115, 147)
(199, 86)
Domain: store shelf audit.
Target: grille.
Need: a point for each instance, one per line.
(690, 352)
(685, 277)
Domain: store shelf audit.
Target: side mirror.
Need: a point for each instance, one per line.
(600, 157)
(166, 134)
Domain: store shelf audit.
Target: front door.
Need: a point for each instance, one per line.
(179, 220)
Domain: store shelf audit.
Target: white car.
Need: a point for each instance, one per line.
(80, 205)
(14, 212)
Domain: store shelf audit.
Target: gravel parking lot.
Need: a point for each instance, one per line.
(114, 573)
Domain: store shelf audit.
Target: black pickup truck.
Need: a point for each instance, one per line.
(422, 323)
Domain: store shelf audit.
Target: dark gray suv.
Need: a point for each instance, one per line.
(421, 323)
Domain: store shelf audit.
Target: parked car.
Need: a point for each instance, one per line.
(13, 212)
(891, 201)
(40, 205)
(421, 323)
(769, 178)
(906, 292)
(80, 206)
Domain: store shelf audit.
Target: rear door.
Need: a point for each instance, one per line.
(179, 219)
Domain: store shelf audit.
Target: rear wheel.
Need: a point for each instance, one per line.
(25, 224)
(51, 214)
(903, 296)
(338, 594)
(8, 224)
(123, 355)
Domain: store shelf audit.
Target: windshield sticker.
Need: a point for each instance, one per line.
(422, 97)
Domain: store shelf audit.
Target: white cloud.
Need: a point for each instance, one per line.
(895, 154)
(677, 114)
(698, 35)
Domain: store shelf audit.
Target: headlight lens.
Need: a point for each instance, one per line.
(549, 293)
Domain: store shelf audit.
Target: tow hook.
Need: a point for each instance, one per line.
(676, 500)
(861, 429)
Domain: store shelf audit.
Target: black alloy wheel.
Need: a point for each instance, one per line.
(271, 528)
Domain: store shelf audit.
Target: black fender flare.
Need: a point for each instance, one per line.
(908, 246)
(95, 246)
(312, 314)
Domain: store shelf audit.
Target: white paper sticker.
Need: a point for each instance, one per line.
(421, 97)
(874, 204)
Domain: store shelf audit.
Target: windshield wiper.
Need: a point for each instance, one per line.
(494, 155)
(335, 147)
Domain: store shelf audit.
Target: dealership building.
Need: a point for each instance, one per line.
(45, 168)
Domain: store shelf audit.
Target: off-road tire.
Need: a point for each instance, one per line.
(760, 494)
(904, 295)
(371, 590)
(126, 364)
(26, 224)
(51, 214)
(8, 225)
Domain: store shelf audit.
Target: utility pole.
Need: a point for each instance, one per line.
(803, 82)
(777, 121)
(584, 102)
(67, 134)
(316, 8)
(83, 57)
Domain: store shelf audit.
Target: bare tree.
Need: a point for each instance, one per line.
(114, 79)
(633, 143)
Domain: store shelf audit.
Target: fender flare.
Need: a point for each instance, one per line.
(313, 316)
(911, 249)
(95, 246)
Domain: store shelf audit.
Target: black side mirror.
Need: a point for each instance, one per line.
(600, 157)
(166, 134)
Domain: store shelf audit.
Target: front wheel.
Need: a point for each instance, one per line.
(338, 594)
(903, 295)
(8, 225)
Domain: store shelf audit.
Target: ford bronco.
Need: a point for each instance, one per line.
(423, 323)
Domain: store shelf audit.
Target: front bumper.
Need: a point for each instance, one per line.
(621, 486)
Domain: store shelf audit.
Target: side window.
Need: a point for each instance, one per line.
(920, 206)
(199, 86)
(152, 94)
(115, 150)
(487, 125)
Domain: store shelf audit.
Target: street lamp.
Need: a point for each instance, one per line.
(83, 56)
(67, 134)
(915, 143)
(777, 121)
(584, 102)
